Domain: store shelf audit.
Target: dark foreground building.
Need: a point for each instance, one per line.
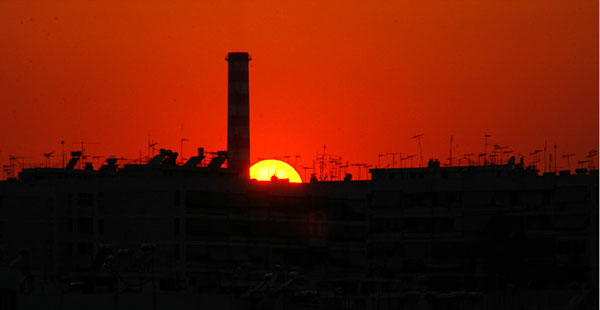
(163, 236)
(195, 236)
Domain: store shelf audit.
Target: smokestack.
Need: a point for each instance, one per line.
(238, 114)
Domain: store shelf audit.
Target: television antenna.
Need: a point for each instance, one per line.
(48, 155)
(485, 138)
(410, 157)
(393, 158)
(568, 157)
(181, 149)
(418, 137)
(468, 158)
(450, 152)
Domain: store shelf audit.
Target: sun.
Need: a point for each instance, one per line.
(265, 169)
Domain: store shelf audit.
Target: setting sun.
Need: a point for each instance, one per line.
(265, 169)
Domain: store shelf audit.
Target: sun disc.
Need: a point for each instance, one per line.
(265, 169)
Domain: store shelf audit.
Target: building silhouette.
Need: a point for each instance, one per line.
(161, 235)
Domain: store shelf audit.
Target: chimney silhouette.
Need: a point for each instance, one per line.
(238, 116)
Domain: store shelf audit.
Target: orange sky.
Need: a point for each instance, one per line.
(361, 77)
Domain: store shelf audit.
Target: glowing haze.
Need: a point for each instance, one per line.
(361, 77)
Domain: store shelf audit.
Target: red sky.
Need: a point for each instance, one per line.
(361, 77)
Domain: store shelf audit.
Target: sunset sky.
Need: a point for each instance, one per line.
(361, 77)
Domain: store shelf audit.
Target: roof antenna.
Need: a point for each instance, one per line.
(410, 157)
(555, 168)
(62, 143)
(568, 157)
(48, 155)
(450, 155)
(393, 158)
(485, 137)
(181, 160)
(418, 137)
(83, 156)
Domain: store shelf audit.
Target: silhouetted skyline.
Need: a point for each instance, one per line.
(361, 79)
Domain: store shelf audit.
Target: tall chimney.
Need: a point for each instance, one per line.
(238, 115)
